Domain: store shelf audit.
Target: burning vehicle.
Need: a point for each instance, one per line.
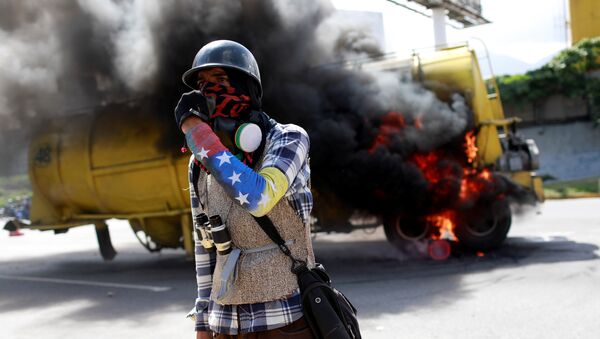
(464, 187)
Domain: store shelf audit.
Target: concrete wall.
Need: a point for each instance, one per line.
(555, 109)
(567, 151)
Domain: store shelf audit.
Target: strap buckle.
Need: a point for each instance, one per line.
(298, 266)
(286, 250)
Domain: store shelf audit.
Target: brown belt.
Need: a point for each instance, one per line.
(297, 330)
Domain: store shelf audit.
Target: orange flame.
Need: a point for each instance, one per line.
(471, 146)
(418, 123)
(428, 165)
(444, 224)
(485, 174)
(468, 186)
(391, 123)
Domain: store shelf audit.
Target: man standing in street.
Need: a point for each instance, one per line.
(244, 165)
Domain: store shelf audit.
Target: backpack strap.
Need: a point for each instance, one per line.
(196, 168)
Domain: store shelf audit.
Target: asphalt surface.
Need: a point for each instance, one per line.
(544, 283)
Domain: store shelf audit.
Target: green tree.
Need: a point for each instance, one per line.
(566, 74)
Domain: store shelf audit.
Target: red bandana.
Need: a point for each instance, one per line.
(228, 101)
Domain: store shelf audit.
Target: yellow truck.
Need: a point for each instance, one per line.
(114, 162)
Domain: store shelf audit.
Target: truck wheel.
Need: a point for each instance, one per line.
(403, 232)
(484, 227)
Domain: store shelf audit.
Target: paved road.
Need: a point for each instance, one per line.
(545, 283)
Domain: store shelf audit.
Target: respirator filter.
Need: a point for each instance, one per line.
(248, 137)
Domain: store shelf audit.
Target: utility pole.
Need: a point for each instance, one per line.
(439, 26)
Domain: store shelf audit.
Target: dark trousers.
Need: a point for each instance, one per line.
(297, 330)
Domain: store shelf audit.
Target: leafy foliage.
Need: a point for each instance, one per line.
(566, 74)
(14, 187)
(582, 188)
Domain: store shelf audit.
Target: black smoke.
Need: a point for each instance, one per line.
(63, 55)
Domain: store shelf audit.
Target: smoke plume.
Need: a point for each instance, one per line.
(61, 55)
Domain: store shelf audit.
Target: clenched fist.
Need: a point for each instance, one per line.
(191, 104)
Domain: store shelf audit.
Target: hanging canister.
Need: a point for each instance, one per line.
(200, 225)
(220, 235)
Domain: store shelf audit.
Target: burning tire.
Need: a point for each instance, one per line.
(484, 227)
(402, 232)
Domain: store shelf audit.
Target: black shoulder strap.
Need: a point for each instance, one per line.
(195, 176)
(267, 226)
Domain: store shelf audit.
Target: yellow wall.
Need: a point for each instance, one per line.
(585, 19)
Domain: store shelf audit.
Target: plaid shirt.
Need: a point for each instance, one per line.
(284, 152)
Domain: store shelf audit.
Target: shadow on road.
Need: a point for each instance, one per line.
(130, 267)
(377, 278)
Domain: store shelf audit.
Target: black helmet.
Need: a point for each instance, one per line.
(226, 54)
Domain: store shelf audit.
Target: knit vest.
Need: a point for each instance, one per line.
(261, 276)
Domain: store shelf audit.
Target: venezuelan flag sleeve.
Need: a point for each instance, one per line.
(259, 191)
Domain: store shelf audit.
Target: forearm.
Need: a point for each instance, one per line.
(257, 192)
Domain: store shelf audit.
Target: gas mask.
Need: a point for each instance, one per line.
(232, 119)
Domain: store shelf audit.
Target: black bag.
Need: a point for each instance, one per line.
(327, 311)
